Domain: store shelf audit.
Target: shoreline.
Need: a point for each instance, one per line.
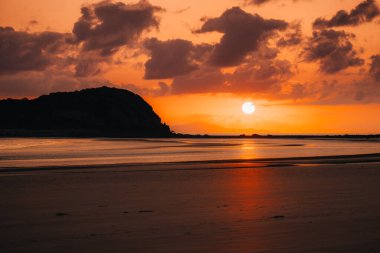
(218, 164)
(45, 134)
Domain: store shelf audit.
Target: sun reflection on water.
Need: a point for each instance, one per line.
(247, 150)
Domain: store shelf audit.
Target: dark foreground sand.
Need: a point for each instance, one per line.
(323, 205)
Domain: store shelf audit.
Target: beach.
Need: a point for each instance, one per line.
(312, 204)
(234, 126)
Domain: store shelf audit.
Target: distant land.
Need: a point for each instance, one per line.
(96, 112)
(99, 112)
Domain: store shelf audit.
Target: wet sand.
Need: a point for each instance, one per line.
(326, 204)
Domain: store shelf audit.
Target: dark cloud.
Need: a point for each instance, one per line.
(260, 2)
(22, 51)
(333, 49)
(257, 2)
(358, 89)
(107, 26)
(292, 37)
(180, 11)
(364, 12)
(264, 52)
(321, 92)
(163, 89)
(75, 59)
(32, 64)
(86, 65)
(365, 90)
(172, 57)
(204, 80)
(260, 76)
(261, 72)
(33, 22)
(375, 67)
(242, 34)
(255, 76)
(33, 83)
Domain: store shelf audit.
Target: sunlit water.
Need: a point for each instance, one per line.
(33, 152)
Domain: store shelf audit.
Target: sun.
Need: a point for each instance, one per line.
(248, 108)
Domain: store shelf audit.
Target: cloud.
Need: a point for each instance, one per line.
(163, 89)
(257, 2)
(270, 78)
(362, 88)
(333, 49)
(204, 80)
(292, 37)
(23, 51)
(33, 22)
(364, 92)
(89, 66)
(33, 84)
(261, 72)
(35, 63)
(364, 12)
(242, 34)
(107, 26)
(258, 75)
(375, 67)
(260, 2)
(172, 57)
(180, 11)
(32, 64)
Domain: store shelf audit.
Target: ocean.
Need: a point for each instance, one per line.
(45, 152)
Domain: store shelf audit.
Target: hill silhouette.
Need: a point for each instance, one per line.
(101, 111)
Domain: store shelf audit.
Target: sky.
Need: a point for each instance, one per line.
(309, 66)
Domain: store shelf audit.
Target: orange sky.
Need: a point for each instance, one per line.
(299, 90)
